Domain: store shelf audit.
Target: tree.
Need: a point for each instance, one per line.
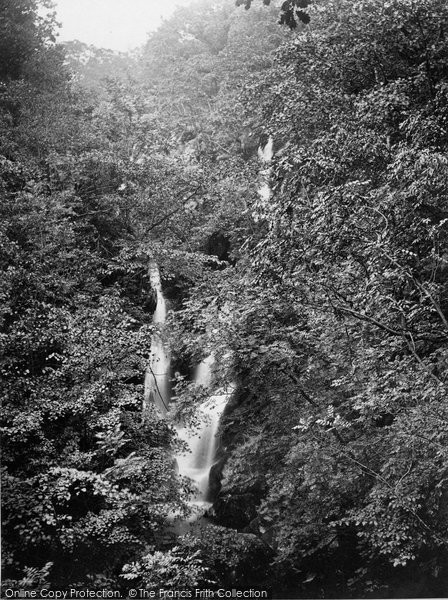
(27, 39)
(291, 11)
(87, 481)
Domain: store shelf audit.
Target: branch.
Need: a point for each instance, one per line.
(173, 212)
(434, 302)
(369, 319)
(411, 345)
(157, 388)
(376, 475)
(421, 287)
(305, 394)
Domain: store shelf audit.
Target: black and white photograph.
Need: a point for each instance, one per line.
(224, 299)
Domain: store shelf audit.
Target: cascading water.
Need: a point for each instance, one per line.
(198, 460)
(202, 444)
(157, 380)
(266, 154)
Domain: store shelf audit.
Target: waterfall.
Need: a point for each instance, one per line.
(194, 463)
(202, 445)
(157, 379)
(197, 461)
(267, 152)
(265, 155)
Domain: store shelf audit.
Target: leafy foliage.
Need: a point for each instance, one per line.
(335, 314)
(173, 567)
(291, 11)
(87, 481)
(324, 300)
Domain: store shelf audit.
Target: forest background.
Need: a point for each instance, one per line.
(323, 299)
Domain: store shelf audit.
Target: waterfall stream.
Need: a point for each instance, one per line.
(265, 154)
(157, 380)
(202, 444)
(196, 462)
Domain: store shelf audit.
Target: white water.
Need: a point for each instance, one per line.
(157, 380)
(265, 154)
(202, 444)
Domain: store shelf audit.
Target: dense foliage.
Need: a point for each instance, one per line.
(342, 324)
(324, 298)
(87, 480)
